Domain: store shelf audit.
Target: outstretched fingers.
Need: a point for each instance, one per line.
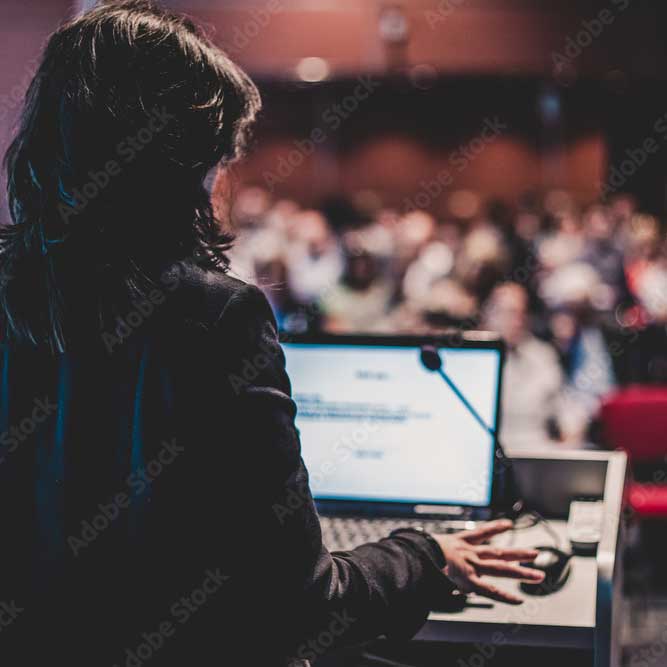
(499, 553)
(502, 568)
(491, 591)
(487, 531)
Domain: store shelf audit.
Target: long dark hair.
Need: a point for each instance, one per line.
(130, 109)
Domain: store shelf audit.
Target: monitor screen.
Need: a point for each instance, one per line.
(376, 425)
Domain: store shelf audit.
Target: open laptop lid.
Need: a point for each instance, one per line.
(381, 434)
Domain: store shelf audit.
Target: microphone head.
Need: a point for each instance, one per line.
(430, 358)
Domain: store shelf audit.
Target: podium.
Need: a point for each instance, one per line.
(583, 617)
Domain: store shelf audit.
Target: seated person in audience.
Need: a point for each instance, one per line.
(359, 302)
(315, 259)
(532, 379)
(565, 244)
(642, 244)
(588, 370)
(601, 251)
(483, 260)
(448, 304)
(572, 323)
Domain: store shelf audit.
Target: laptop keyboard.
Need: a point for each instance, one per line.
(345, 533)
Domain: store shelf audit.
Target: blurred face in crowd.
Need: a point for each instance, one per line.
(415, 230)
(281, 217)
(388, 218)
(450, 233)
(251, 203)
(507, 313)
(563, 326)
(313, 231)
(643, 237)
(449, 298)
(623, 207)
(528, 226)
(568, 223)
(599, 225)
(361, 270)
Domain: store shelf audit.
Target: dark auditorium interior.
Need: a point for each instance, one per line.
(427, 168)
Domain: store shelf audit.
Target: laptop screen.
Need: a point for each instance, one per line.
(376, 425)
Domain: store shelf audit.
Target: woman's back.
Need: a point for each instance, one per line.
(124, 473)
(117, 428)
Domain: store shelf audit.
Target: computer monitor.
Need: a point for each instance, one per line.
(377, 427)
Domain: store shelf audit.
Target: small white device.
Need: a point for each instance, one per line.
(584, 525)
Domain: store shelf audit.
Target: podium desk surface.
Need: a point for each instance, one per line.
(584, 613)
(565, 618)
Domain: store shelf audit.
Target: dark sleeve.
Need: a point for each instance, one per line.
(386, 588)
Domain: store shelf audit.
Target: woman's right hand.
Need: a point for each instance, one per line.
(470, 559)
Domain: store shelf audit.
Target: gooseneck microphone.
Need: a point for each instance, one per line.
(432, 361)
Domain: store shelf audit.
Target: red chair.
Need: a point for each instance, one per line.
(635, 420)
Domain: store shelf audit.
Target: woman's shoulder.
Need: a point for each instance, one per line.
(207, 296)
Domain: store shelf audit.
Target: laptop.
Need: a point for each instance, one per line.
(386, 441)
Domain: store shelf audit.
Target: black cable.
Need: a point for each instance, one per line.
(534, 518)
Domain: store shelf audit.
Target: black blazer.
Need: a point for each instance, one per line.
(154, 507)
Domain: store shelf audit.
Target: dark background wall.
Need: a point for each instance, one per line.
(464, 61)
(455, 36)
(603, 61)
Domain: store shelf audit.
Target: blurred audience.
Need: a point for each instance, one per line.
(361, 297)
(533, 380)
(580, 296)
